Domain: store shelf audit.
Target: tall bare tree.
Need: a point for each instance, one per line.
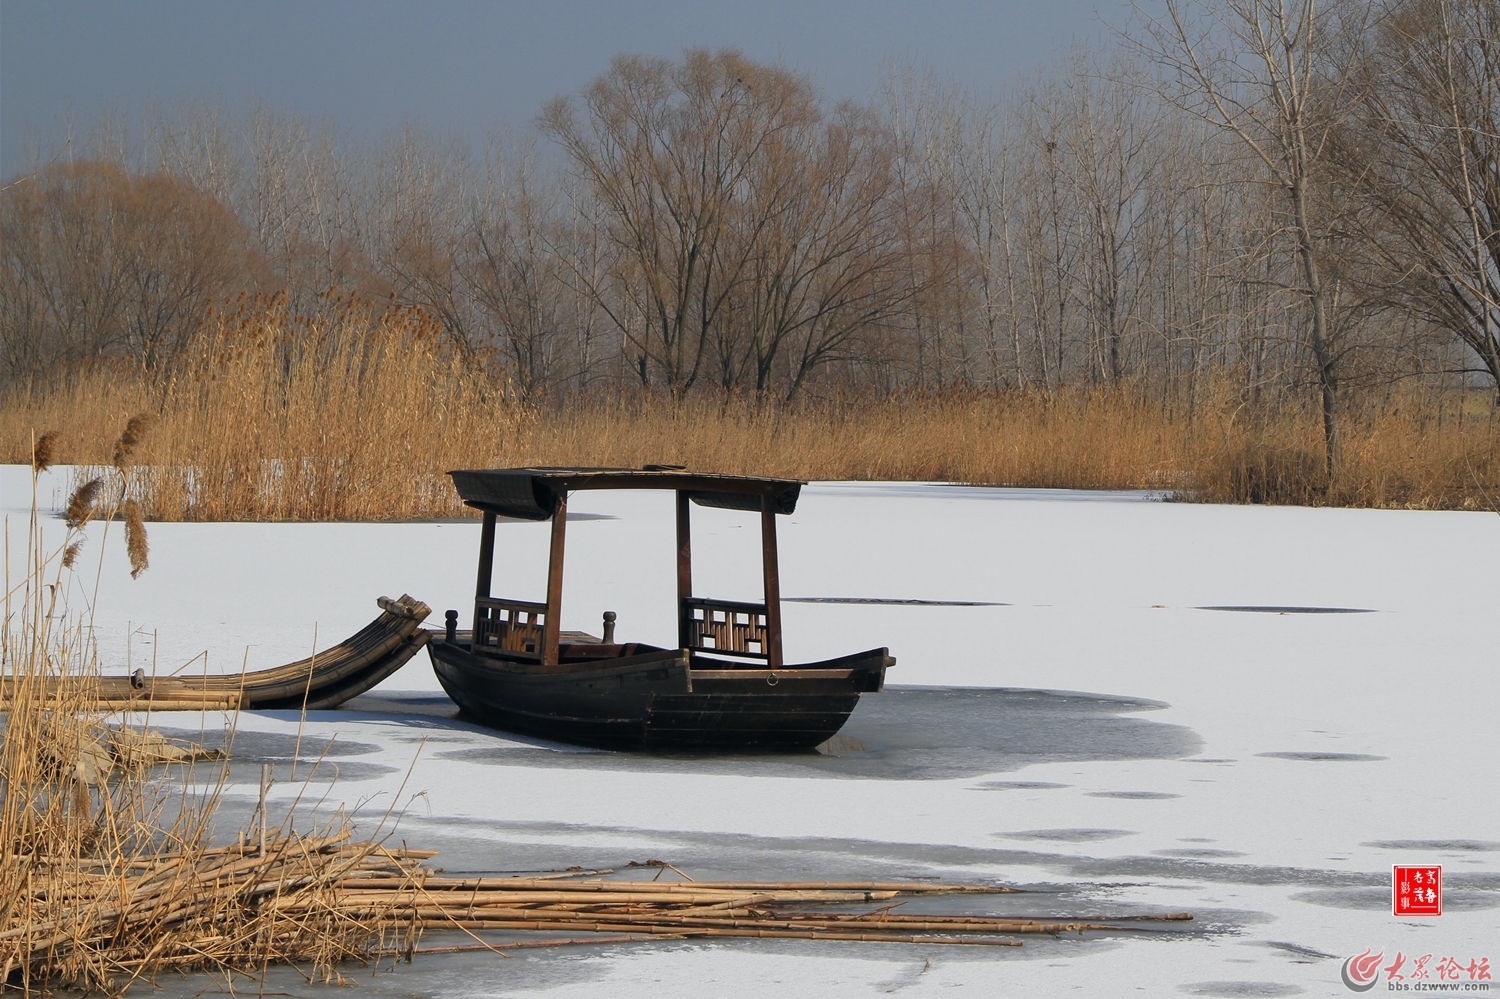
(520, 260)
(971, 153)
(665, 149)
(1427, 148)
(833, 261)
(1111, 158)
(419, 219)
(308, 204)
(750, 230)
(1268, 72)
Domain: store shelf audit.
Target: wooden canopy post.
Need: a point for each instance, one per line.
(486, 563)
(551, 628)
(773, 581)
(684, 571)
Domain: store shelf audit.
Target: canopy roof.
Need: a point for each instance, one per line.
(532, 493)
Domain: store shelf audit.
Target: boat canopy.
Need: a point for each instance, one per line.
(533, 493)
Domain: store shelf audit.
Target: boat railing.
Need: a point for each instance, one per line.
(728, 627)
(509, 625)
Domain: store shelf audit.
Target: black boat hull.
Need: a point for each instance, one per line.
(659, 700)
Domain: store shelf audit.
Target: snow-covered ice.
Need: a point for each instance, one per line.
(1121, 703)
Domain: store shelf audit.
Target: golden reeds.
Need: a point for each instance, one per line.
(357, 413)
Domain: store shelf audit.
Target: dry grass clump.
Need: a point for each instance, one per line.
(352, 415)
(1415, 452)
(275, 418)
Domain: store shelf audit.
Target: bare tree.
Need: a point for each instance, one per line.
(665, 148)
(60, 292)
(971, 152)
(750, 231)
(302, 200)
(936, 338)
(1273, 81)
(833, 262)
(201, 145)
(181, 253)
(1427, 149)
(1051, 242)
(520, 256)
(96, 260)
(1111, 160)
(419, 220)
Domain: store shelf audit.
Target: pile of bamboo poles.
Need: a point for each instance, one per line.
(654, 909)
(318, 902)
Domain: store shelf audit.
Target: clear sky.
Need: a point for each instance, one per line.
(462, 67)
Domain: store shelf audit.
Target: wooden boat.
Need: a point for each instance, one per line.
(324, 680)
(725, 686)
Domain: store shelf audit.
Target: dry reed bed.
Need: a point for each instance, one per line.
(357, 415)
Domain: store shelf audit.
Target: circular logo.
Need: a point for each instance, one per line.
(1359, 973)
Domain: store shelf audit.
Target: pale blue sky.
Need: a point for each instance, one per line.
(465, 66)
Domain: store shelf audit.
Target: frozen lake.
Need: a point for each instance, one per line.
(1117, 703)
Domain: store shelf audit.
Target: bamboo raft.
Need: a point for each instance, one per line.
(322, 901)
(324, 680)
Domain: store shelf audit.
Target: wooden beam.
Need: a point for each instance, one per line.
(486, 563)
(551, 628)
(684, 569)
(773, 581)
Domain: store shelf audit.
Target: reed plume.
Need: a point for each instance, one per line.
(42, 452)
(135, 539)
(81, 503)
(135, 429)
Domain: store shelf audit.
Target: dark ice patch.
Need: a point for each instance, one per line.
(1199, 853)
(1437, 845)
(1274, 609)
(1461, 893)
(1470, 892)
(1355, 899)
(1307, 954)
(1321, 757)
(315, 758)
(1134, 795)
(1241, 990)
(914, 733)
(1068, 835)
